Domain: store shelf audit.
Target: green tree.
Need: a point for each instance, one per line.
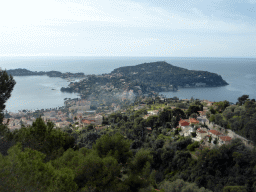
(90, 127)
(42, 137)
(242, 99)
(91, 171)
(179, 113)
(222, 105)
(116, 146)
(152, 121)
(26, 171)
(234, 189)
(212, 118)
(139, 172)
(193, 109)
(7, 84)
(210, 139)
(180, 185)
(165, 116)
(194, 115)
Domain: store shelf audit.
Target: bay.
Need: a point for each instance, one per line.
(34, 92)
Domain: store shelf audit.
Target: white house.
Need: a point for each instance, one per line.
(201, 133)
(154, 112)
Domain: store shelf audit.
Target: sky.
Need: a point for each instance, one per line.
(168, 28)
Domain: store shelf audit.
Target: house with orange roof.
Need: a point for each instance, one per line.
(185, 126)
(201, 133)
(183, 123)
(225, 140)
(86, 122)
(214, 133)
(193, 121)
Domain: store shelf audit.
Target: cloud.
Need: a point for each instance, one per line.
(252, 1)
(48, 12)
(121, 13)
(118, 27)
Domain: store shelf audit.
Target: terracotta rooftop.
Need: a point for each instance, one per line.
(183, 123)
(87, 121)
(225, 138)
(193, 120)
(215, 132)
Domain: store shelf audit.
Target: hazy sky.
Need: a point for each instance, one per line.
(179, 28)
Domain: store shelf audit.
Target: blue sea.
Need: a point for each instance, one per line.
(35, 92)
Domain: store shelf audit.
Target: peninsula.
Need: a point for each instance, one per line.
(125, 83)
(25, 72)
(147, 78)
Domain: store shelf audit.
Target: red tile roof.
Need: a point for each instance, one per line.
(215, 132)
(183, 123)
(193, 120)
(225, 138)
(86, 121)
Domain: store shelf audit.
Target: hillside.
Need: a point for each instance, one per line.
(163, 75)
(25, 72)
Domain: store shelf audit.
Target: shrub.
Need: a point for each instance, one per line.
(182, 143)
(190, 147)
(136, 144)
(158, 144)
(193, 134)
(234, 188)
(210, 139)
(180, 185)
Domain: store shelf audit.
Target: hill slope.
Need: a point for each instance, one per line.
(161, 74)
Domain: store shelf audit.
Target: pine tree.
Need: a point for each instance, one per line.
(6, 86)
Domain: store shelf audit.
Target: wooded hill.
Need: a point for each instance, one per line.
(162, 74)
(25, 72)
(123, 158)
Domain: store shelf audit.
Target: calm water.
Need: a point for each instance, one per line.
(35, 92)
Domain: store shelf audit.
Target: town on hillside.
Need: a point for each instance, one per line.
(77, 114)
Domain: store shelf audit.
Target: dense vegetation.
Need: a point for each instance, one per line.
(240, 118)
(124, 156)
(161, 74)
